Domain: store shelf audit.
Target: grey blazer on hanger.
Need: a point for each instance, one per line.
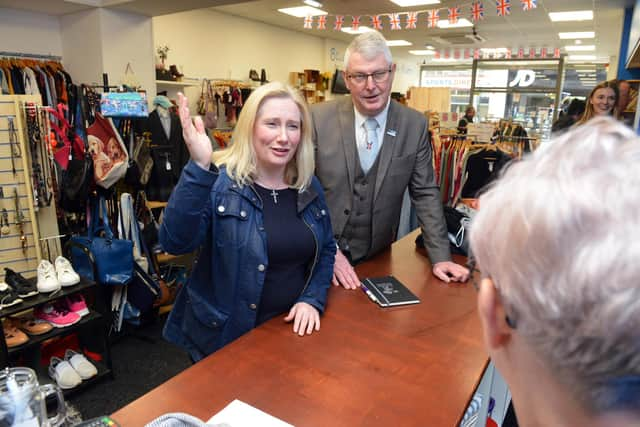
(405, 160)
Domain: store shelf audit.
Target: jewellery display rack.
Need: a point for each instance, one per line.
(29, 233)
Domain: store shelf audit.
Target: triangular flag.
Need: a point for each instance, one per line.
(355, 23)
(454, 14)
(376, 22)
(432, 20)
(339, 21)
(503, 7)
(412, 20)
(528, 4)
(308, 22)
(394, 20)
(322, 22)
(477, 11)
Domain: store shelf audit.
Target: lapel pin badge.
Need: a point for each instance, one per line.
(391, 132)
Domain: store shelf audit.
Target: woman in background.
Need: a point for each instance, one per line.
(601, 102)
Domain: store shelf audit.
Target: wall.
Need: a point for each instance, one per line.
(630, 37)
(82, 46)
(27, 32)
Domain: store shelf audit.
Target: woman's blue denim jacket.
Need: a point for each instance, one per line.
(210, 211)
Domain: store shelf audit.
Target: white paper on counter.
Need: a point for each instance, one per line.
(240, 414)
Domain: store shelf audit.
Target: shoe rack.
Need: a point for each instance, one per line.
(29, 352)
(25, 224)
(311, 85)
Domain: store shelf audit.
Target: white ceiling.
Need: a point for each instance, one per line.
(519, 29)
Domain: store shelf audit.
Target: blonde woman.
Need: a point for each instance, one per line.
(260, 219)
(601, 102)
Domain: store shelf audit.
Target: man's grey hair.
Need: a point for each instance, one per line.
(369, 45)
(559, 235)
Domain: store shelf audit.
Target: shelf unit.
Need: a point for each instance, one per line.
(96, 320)
(169, 83)
(311, 85)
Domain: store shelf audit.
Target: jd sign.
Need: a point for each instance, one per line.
(523, 78)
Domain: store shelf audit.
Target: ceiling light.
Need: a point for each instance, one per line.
(422, 52)
(578, 41)
(312, 3)
(494, 49)
(361, 29)
(462, 22)
(576, 15)
(581, 57)
(302, 11)
(580, 48)
(577, 35)
(430, 47)
(398, 43)
(407, 3)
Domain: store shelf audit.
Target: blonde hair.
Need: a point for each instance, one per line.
(558, 235)
(240, 157)
(588, 109)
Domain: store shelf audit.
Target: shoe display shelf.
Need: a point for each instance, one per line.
(94, 321)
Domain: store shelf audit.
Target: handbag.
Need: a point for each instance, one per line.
(202, 102)
(210, 115)
(142, 157)
(129, 78)
(124, 104)
(109, 154)
(107, 260)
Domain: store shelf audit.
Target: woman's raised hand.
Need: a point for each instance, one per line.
(198, 143)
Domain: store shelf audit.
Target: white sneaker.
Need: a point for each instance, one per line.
(66, 377)
(47, 280)
(81, 364)
(67, 276)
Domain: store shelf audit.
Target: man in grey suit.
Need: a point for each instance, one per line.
(370, 149)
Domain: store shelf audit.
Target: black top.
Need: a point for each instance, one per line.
(290, 250)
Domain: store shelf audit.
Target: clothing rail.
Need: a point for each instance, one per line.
(30, 55)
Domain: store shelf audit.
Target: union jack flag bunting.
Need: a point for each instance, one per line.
(503, 7)
(355, 23)
(507, 54)
(556, 52)
(476, 54)
(543, 52)
(532, 52)
(308, 22)
(477, 11)
(520, 53)
(394, 20)
(322, 22)
(412, 20)
(434, 17)
(437, 54)
(528, 4)
(376, 22)
(454, 14)
(339, 22)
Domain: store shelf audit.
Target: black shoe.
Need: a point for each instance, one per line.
(263, 76)
(8, 296)
(253, 75)
(23, 287)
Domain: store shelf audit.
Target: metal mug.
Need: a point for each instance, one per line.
(23, 400)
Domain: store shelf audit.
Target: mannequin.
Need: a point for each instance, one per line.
(167, 149)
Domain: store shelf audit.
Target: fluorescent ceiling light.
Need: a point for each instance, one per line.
(581, 57)
(430, 47)
(576, 15)
(577, 35)
(494, 49)
(398, 43)
(462, 22)
(361, 29)
(407, 3)
(313, 3)
(422, 52)
(580, 48)
(302, 11)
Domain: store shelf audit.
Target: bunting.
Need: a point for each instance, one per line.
(556, 52)
(454, 14)
(503, 7)
(376, 22)
(434, 16)
(339, 22)
(528, 4)
(355, 23)
(477, 11)
(308, 22)
(412, 20)
(322, 22)
(394, 21)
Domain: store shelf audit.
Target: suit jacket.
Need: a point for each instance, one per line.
(404, 161)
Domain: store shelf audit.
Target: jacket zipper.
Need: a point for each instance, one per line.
(315, 258)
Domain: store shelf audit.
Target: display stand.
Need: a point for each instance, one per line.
(21, 249)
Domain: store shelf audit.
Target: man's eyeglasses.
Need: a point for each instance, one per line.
(474, 274)
(377, 76)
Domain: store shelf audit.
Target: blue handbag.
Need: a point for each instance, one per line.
(99, 255)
